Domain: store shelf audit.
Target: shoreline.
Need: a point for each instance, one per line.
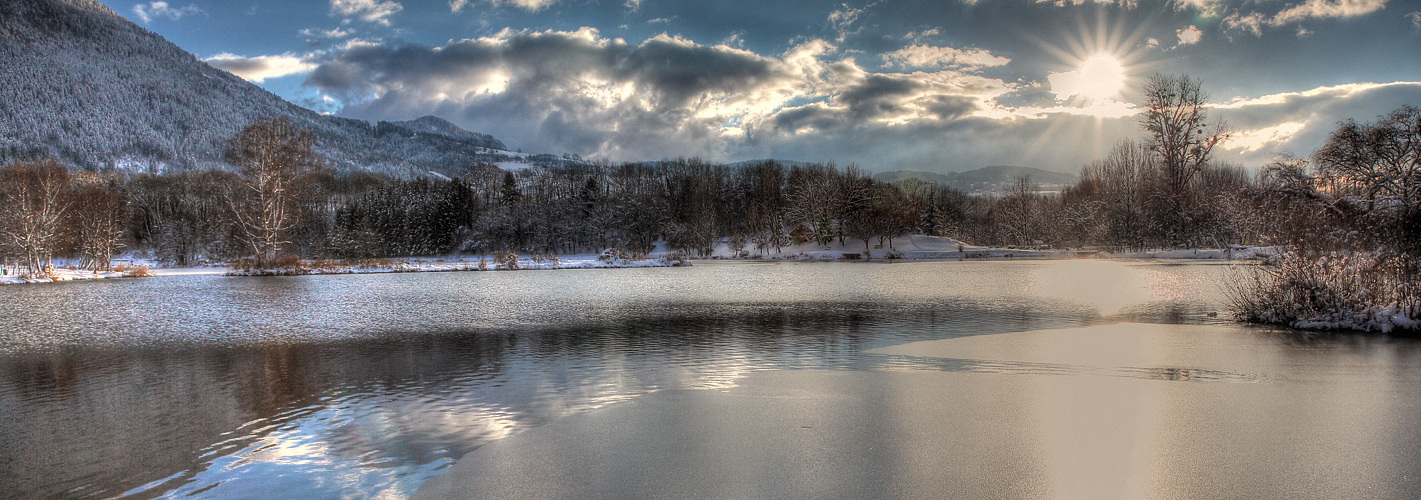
(660, 259)
(426, 265)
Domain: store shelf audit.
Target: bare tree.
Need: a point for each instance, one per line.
(1119, 184)
(1021, 215)
(271, 156)
(1176, 119)
(1379, 163)
(100, 215)
(34, 199)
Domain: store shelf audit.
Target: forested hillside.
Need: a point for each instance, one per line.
(985, 180)
(86, 86)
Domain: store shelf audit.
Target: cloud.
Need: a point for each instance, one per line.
(370, 11)
(925, 56)
(531, 5)
(258, 69)
(1258, 139)
(154, 10)
(633, 5)
(735, 39)
(1324, 9)
(1205, 8)
(918, 36)
(665, 96)
(1128, 4)
(1269, 124)
(1189, 36)
(1415, 18)
(1253, 21)
(330, 34)
(842, 18)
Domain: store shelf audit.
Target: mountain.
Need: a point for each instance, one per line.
(439, 126)
(992, 179)
(97, 91)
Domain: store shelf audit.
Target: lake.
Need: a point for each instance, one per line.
(1079, 378)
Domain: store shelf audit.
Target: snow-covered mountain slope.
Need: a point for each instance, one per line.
(98, 91)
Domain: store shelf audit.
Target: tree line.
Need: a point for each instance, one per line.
(277, 201)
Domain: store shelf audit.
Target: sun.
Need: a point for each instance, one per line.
(1099, 77)
(1098, 59)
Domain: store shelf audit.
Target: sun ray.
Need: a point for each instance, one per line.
(1102, 59)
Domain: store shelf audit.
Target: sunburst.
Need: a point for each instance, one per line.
(1101, 63)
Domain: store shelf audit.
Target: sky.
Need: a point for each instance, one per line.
(938, 85)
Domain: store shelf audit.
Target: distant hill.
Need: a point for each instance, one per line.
(83, 84)
(985, 179)
(786, 163)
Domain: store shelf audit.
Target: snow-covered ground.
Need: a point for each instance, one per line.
(1231, 253)
(9, 277)
(920, 247)
(468, 263)
(915, 247)
(124, 266)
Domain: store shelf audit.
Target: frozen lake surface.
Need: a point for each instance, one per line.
(1082, 379)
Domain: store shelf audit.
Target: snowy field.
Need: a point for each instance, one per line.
(10, 278)
(920, 247)
(467, 263)
(915, 248)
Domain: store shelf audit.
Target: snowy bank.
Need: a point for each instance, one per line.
(914, 247)
(462, 263)
(11, 277)
(1237, 252)
(921, 247)
(1360, 291)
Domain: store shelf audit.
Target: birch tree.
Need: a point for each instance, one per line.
(271, 156)
(34, 200)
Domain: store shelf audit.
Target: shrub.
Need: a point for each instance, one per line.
(505, 259)
(243, 264)
(674, 259)
(138, 271)
(1350, 291)
(615, 254)
(286, 261)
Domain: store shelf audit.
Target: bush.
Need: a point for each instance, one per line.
(614, 255)
(1349, 291)
(505, 259)
(138, 271)
(286, 261)
(674, 259)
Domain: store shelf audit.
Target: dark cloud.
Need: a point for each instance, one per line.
(776, 89)
(812, 117)
(879, 95)
(950, 107)
(666, 96)
(681, 70)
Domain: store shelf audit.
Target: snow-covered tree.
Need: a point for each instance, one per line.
(271, 156)
(35, 198)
